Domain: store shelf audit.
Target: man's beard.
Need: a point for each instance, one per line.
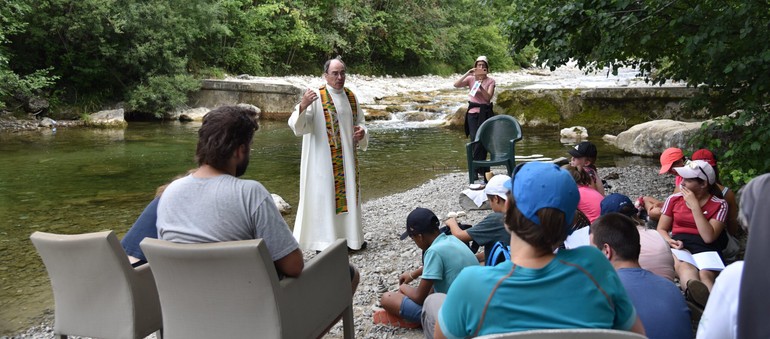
(241, 167)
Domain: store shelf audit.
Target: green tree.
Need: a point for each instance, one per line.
(103, 49)
(147, 53)
(15, 87)
(719, 46)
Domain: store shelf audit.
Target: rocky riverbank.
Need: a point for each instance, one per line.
(387, 256)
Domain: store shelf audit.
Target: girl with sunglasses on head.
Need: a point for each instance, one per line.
(696, 219)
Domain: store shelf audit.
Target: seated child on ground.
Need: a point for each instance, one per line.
(491, 229)
(444, 257)
(590, 199)
(584, 156)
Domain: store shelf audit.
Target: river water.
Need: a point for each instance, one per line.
(77, 180)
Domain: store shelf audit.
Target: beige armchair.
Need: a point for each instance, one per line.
(231, 290)
(572, 333)
(96, 291)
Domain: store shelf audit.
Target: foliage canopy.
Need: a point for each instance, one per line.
(719, 46)
(93, 53)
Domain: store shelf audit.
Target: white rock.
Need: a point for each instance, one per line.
(282, 205)
(574, 133)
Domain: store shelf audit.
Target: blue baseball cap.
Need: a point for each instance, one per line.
(618, 203)
(537, 185)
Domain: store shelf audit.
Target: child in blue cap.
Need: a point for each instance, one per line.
(537, 288)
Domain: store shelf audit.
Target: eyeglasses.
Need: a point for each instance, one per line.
(340, 74)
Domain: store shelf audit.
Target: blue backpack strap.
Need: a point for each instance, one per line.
(500, 252)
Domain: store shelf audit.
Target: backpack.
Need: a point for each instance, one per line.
(500, 252)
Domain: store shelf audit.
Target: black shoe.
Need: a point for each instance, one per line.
(363, 247)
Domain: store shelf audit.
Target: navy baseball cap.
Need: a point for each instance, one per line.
(583, 149)
(419, 221)
(618, 203)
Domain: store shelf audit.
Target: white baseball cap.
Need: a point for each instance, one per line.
(697, 169)
(496, 186)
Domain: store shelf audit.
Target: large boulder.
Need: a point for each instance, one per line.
(108, 118)
(193, 114)
(415, 116)
(573, 133)
(372, 114)
(653, 137)
(36, 105)
(47, 123)
(456, 120)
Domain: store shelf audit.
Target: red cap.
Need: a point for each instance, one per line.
(705, 155)
(669, 157)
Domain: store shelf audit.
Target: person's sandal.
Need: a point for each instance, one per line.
(697, 292)
(384, 318)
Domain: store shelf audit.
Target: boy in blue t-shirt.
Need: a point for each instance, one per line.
(444, 257)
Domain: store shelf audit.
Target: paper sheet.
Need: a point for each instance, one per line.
(704, 260)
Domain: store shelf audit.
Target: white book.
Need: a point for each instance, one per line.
(703, 261)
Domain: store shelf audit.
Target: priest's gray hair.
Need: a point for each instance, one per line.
(328, 62)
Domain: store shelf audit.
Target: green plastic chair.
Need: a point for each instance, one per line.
(498, 135)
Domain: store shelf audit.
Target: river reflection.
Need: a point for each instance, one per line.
(80, 180)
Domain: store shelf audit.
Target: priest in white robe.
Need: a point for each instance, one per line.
(331, 123)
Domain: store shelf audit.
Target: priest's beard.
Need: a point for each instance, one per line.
(241, 167)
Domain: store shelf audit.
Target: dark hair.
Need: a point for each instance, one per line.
(545, 237)
(580, 175)
(224, 129)
(329, 62)
(618, 231)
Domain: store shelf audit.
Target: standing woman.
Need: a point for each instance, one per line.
(482, 89)
(696, 218)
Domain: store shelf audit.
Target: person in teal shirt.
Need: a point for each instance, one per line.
(444, 257)
(537, 288)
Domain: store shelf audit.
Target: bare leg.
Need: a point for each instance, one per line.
(686, 272)
(708, 277)
(391, 302)
(653, 207)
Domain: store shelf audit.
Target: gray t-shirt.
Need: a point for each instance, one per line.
(222, 208)
(489, 231)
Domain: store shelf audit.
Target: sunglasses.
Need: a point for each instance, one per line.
(693, 165)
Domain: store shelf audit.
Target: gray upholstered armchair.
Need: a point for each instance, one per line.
(96, 291)
(231, 290)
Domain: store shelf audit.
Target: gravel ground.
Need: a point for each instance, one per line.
(386, 256)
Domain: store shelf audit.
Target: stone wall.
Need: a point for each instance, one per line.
(604, 110)
(276, 100)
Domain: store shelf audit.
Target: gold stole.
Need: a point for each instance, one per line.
(335, 147)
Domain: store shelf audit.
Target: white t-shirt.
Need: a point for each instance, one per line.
(720, 318)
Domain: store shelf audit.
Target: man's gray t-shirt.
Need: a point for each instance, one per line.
(222, 208)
